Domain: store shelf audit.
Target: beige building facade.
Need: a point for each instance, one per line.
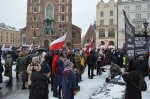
(106, 23)
(9, 36)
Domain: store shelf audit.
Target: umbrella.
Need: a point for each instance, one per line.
(24, 59)
(42, 50)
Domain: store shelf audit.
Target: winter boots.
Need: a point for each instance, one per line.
(23, 86)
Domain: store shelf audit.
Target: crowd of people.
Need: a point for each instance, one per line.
(63, 70)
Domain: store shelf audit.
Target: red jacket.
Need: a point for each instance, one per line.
(54, 64)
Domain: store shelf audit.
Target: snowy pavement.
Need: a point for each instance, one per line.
(95, 88)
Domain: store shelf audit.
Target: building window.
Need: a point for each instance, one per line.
(101, 22)
(35, 1)
(126, 8)
(138, 26)
(138, 7)
(111, 13)
(62, 9)
(111, 32)
(102, 14)
(34, 34)
(111, 22)
(35, 9)
(148, 15)
(73, 34)
(138, 16)
(35, 19)
(112, 43)
(49, 11)
(37, 26)
(101, 33)
(61, 1)
(62, 18)
(60, 26)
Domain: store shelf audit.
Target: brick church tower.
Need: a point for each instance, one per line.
(48, 20)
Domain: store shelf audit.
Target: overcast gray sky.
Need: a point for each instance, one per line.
(13, 13)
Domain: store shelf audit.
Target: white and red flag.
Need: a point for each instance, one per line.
(31, 46)
(58, 43)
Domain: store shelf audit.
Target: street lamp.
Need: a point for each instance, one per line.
(145, 27)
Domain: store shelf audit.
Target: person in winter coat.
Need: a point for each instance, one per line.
(91, 63)
(19, 65)
(79, 67)
(69, 83)
(59, 76)
(143, 67)
(1, 71)
(32, 67)
(8, 68)
(99, 64)
(24, 72)
(132, 79)
(55, 83)
(72, 58)
(39, 86)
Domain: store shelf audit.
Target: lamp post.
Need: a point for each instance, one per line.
(145, 27)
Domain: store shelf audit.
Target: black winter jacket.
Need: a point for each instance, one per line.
(39, 86)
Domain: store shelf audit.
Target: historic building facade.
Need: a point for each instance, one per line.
(90, 35)
(48, 20)
(106, 23)
(76, 37)
(9, 36)
(137, 12)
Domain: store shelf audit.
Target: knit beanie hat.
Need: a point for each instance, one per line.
(45, 68)
(68, 63)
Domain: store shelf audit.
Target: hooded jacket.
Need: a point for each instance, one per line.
(39, 86)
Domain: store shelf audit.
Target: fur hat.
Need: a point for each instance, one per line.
(45, 68)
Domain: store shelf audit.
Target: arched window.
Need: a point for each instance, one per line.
(49, 11)
(102, 42)
(112, 43)
(111, 32)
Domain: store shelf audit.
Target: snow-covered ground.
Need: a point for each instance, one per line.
(95, 88)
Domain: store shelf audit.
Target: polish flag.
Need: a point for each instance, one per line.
(58, 43)
(31, 46)
(108, 43)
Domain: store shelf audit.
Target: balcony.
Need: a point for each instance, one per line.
(138, 20)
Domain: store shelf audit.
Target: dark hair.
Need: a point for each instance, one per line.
(133, 65)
